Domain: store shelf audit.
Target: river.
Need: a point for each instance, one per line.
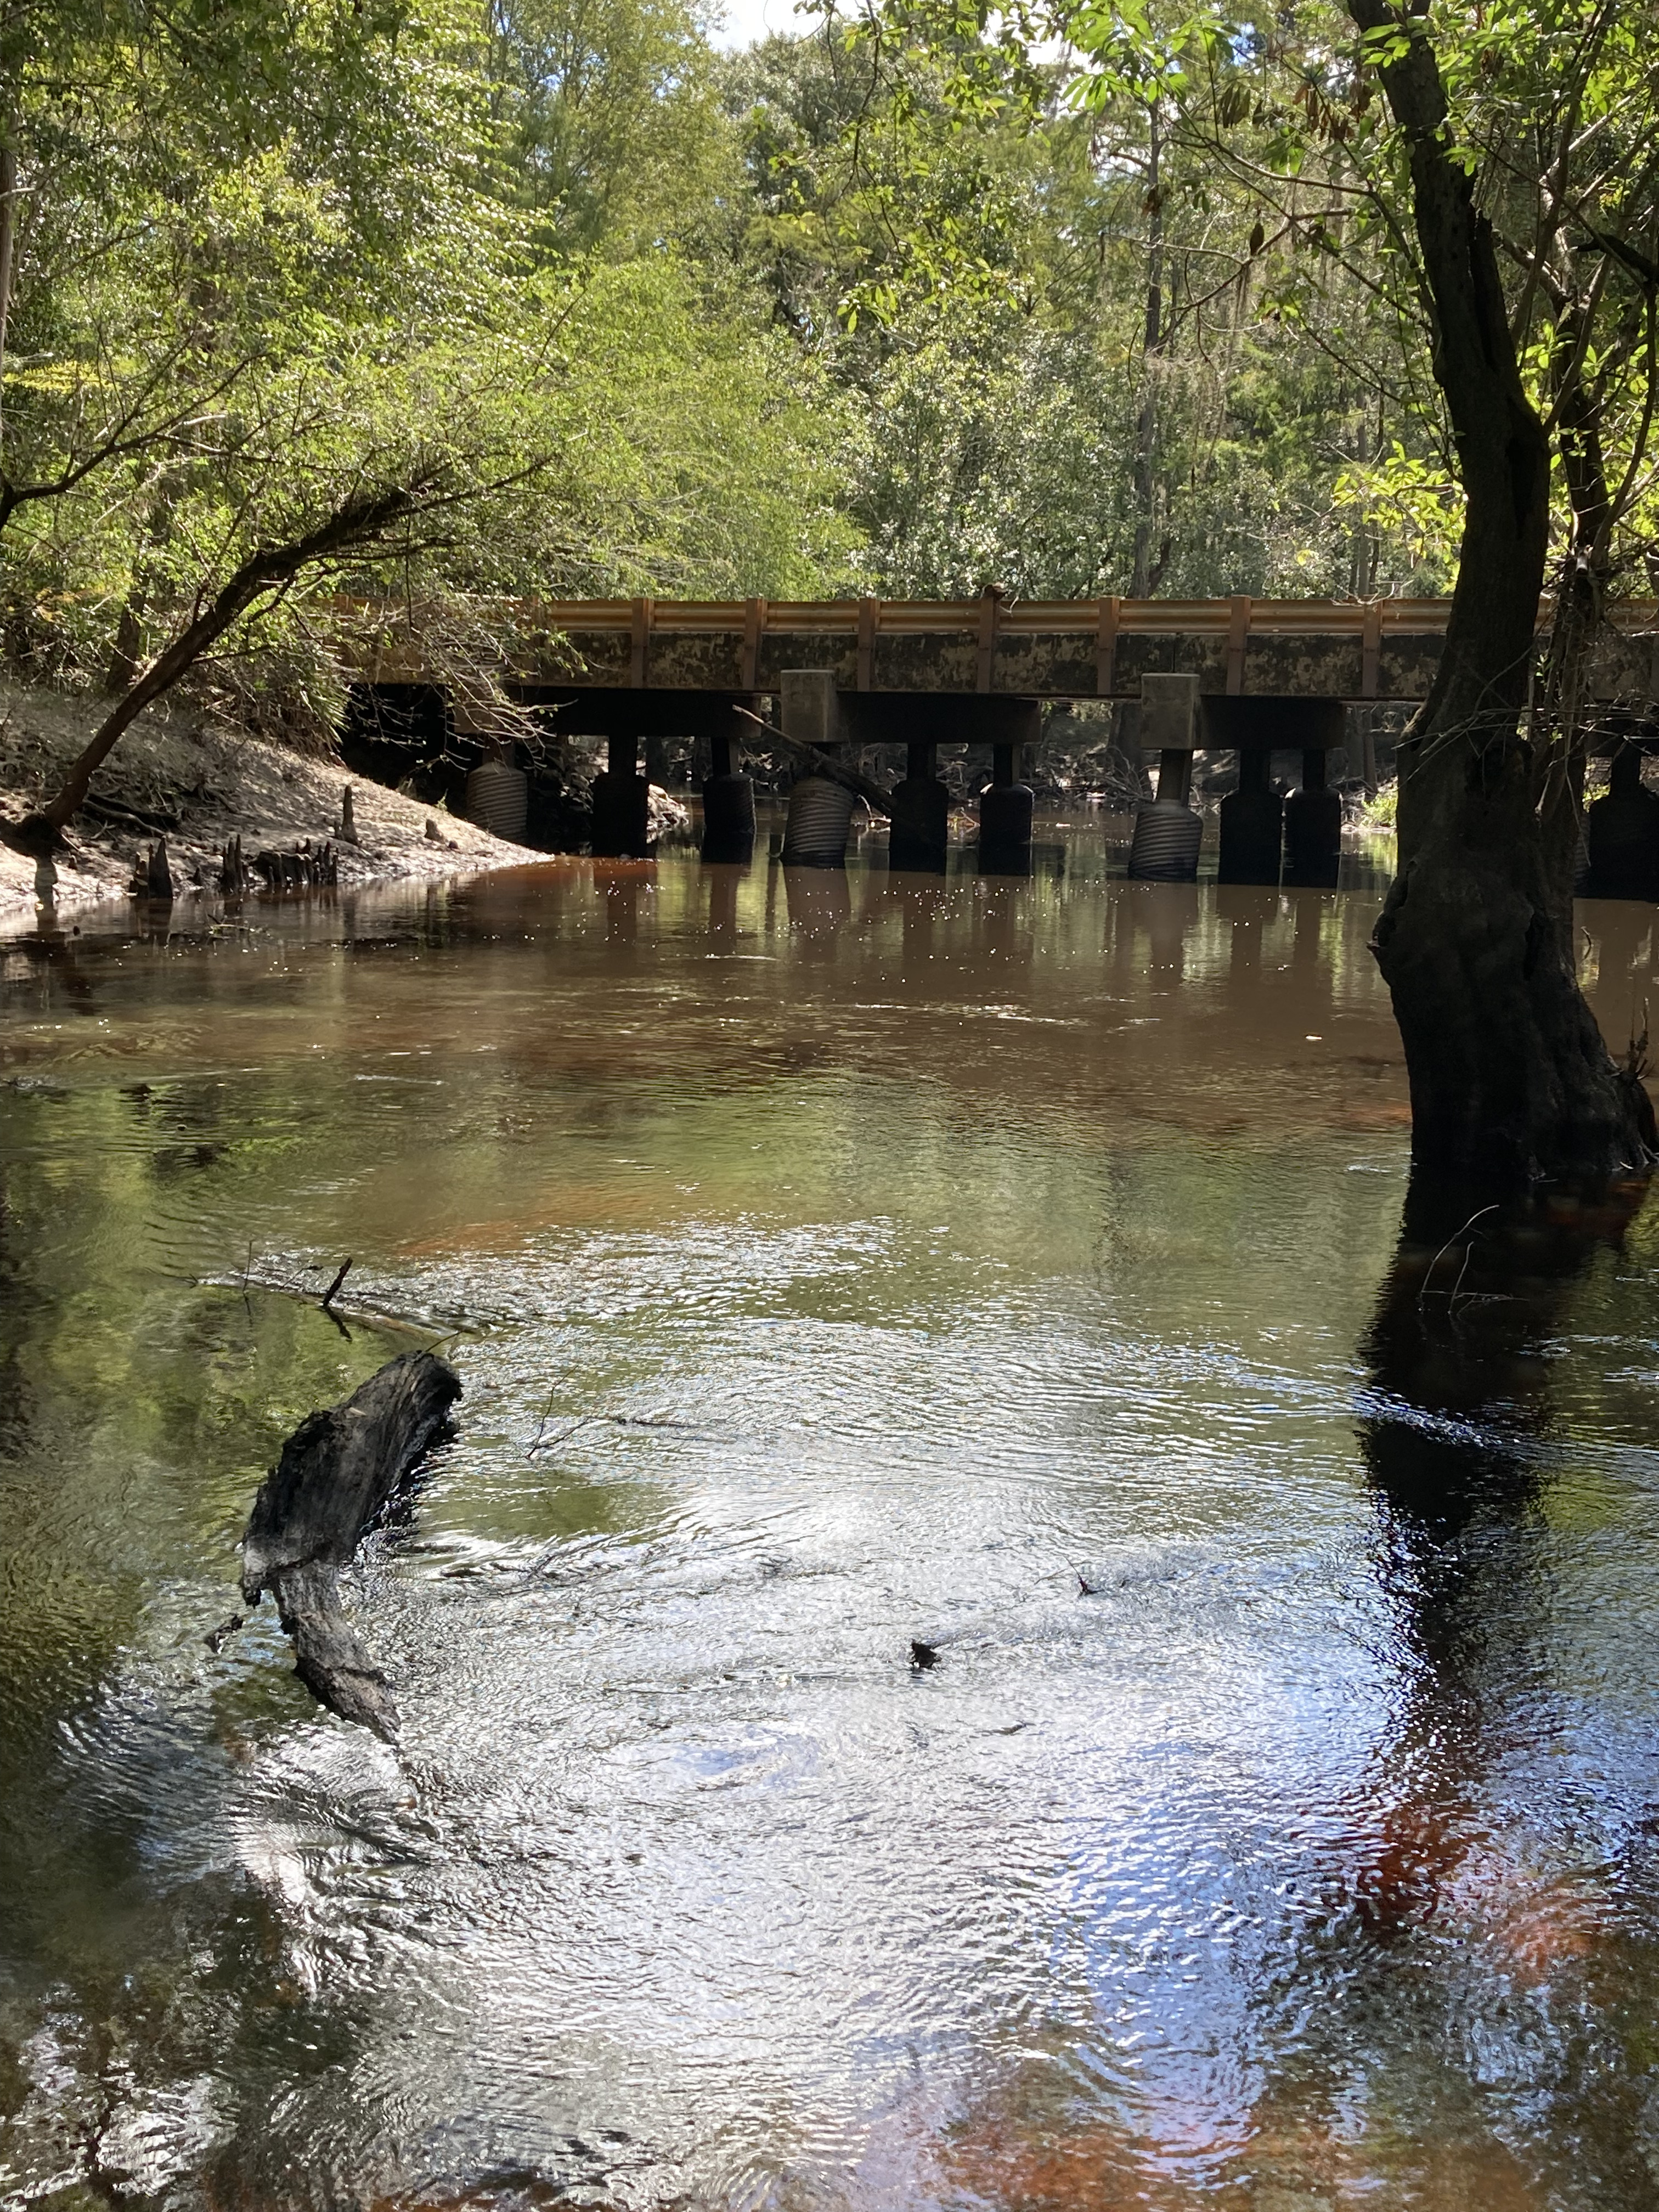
(831, 1265)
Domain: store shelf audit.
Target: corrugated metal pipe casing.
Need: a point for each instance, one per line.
(1166, 841)
(498, 800)
(820, 818)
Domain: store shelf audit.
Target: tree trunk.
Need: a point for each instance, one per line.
(1146, 479)
(125, 658)
(1558, 717)
(8, 257)
(1509, 1079)
(358, 521)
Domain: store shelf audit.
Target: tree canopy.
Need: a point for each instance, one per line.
(1070, 298)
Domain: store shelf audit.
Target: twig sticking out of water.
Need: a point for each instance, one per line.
(334, 1288)
(542, 1442)
(1480, 1214)
(1636, 1054)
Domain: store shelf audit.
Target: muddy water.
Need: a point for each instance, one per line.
(829, 1264)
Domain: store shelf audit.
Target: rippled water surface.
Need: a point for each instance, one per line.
(830, 1264)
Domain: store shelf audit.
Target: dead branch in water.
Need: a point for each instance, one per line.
(824, 764)
(337, 1472)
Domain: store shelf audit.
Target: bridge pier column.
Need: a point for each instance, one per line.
(921, 813)
(622, 804)
(1621, 833)
(820, 810)
(1167, 831)
(729, 796)
(1252, 823)
(1313, 827)
(1005, 808)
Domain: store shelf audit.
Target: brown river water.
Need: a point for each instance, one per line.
(831, 1263)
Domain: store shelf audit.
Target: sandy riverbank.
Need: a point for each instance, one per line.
(198, 783)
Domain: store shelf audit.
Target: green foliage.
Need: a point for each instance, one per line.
(371, 246)
(925, 297)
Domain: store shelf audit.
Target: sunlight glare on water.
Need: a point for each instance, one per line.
(829, 1263)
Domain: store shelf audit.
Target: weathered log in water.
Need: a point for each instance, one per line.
(338, 1471)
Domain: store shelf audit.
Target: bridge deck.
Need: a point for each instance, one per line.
(1351, 650)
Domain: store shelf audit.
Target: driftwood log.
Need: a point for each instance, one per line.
(337, 1473)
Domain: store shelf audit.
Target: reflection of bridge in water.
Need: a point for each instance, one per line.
(823, 683)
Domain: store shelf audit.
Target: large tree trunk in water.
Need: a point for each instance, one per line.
(1562, 701)
(1509, 1078)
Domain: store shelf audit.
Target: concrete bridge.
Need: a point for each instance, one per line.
(1251, 674)
(994, 646)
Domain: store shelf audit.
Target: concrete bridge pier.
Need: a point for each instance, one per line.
(729, 795)
(1257, 825)
(622, 803)
(1005, 808)
(1313, 827)
(1252, 823)
(1621, 833)
(1167, 831)
(921, 813)
(1007, 803)
(820, 818)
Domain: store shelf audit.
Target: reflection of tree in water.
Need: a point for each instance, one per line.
(1471, 1938)
(1456, 2011)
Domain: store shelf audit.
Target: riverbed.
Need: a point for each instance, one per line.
(835, 1264)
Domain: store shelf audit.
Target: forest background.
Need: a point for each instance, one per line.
(903, 302)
